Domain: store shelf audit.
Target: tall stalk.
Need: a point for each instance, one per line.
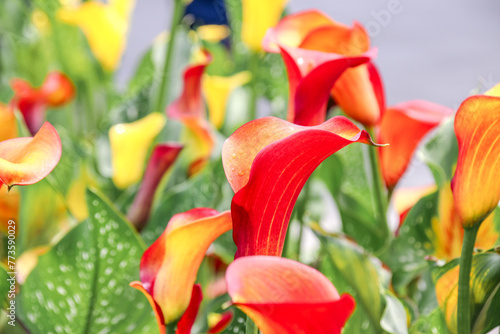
(463, 313)
(165, 82)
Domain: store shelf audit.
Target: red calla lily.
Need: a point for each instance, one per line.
(189, 108)
(188, 318)
(283, 296)
(27, 160)
(56, 90)
(169, 266)
(267, 162)
(311, 76)
(358, 91)
(162, 158)
(476, 185)
(224, 320)
(403, 127)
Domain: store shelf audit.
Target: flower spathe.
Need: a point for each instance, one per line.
(267, 162)
(258, 16)
(217, 90)
(8, 124)
(287, 297)
(55, 91)
(358, 91)
(189, 108)
(403, 126)
(475, 185)
(104, 25)
(169, 266)
(130, 143)
(27, 160)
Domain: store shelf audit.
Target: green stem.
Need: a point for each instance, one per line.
(380, 194)
(463, 314)
(165, 82)
(171, 327)
(254, 68)
(251, 327)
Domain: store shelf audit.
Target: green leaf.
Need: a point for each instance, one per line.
(352, 270)
(441, 153)
(82, 284)
(4, 286)
(433, 323)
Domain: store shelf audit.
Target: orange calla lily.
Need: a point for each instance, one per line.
(358, 91)
(405, 198)
(476, 186)
(28, 160)
(8, 124)
(217, 323)
(287, 297)
(55, 91)
(169, 266)
(266, 165)
(10, 202)
(189, 108)
(104, 25)
(130, 143)
(403, 127)
(258, 16)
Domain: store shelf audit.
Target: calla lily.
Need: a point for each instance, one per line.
(217, 90)
(358, 91)
(258, 16)
(188, 318)
(267, 162)
(189, 108)
(311, 75)
(403, 127)
(10, 202)
(130, 143)
(56, 91)
(287, 297)
(27, 160)
(162, 158)
(476, 187)
(104, 25)
(217, 323)
(169, 266)
(8, 124)
(213, 33)
(449, 233)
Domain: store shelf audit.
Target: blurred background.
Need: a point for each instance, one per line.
(433, 50)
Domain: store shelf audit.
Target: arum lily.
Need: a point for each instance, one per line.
(10, 202)
(213, 33)
(258, 16)
(169, 266)
(406, 198)
(130, 143)
(475, 185)
(104, 25)
(403, 126)
(358, 91)
(27, 160)
(284, 296)
(198, 139)
(217, 323)
(162, 158)
(267, 162)
(56, 91)
(8, 124)
(217, 90)
(188, 318)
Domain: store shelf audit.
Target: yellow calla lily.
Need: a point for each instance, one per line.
(104, 25)
(213, 33)
(258, 16)
(129, 146)
(217, 90)
(8, 124)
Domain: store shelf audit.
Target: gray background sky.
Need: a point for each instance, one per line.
(433, 50)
